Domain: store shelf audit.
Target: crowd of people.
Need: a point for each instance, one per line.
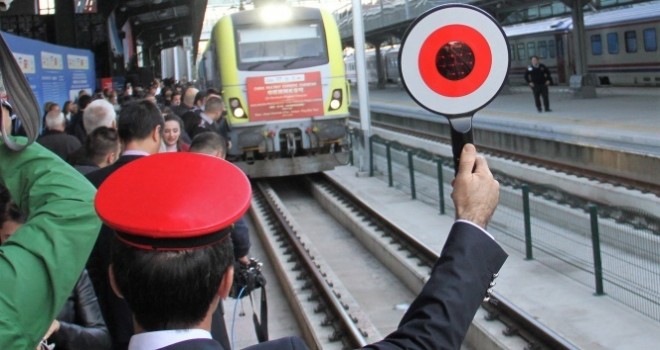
(135, 267)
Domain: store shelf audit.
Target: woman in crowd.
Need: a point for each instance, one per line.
(172, 134)
(69, 109)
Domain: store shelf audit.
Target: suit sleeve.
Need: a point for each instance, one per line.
(441, 314)
(41, 262)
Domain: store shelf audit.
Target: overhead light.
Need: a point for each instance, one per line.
(172, 35)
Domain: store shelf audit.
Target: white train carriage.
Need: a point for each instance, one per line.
(621, 46)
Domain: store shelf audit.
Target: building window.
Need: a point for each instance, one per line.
(596, 45)
(551, 48)
(521, 51)
(46, 7)
(613, 43)
(543, 49)
(512, 51)
(650, 40)
(531, 49)
(85, 6)
(631, 41)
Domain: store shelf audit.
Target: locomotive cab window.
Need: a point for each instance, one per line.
(596, 45)
(294, 46)
(650, 40)
(613, 43)
(631, 41)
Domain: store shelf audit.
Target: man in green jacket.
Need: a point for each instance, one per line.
(41, 262)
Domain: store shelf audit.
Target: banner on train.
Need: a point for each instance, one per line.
(55, 73)
(285, 96)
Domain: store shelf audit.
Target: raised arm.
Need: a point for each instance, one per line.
(441, 314)
(41, 262)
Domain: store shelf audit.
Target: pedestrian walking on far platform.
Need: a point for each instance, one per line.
(538, 77)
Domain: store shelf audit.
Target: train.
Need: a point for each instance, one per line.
(389, 60)
(621, 47)
(282, 77)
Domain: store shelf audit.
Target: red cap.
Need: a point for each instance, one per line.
(173, 200)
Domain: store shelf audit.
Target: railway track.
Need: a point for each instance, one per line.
(328, 306)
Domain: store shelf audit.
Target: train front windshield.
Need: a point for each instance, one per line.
(281, 48)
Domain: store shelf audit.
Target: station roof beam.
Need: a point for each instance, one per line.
(163, 23)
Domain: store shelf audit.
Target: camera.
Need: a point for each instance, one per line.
(4, 4)
(247, 278)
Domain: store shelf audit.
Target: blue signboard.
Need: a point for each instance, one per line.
(55, 73)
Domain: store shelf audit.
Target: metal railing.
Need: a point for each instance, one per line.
(594, 247)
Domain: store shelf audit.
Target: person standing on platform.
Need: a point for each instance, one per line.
(538, 78)
(139, 126)
(211, 143)
(172, 304)
(55, 138)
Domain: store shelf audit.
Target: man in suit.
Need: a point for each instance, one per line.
(172, 305)
(139, 128)
(187, 102)
(211, 119)
(213, 144)
(55, 139)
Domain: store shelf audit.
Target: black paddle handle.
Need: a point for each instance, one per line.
(461, 134)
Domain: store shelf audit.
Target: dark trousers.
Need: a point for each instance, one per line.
(541, 90)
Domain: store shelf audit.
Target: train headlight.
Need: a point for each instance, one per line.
(239, 112)
(337, 99)
(236, 108)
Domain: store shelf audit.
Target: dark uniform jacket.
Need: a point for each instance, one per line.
(538, 75)
(441, 314)
(59, 143)
(289, 343)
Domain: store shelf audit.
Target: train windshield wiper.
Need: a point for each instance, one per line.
(260, 63)
(297, 59)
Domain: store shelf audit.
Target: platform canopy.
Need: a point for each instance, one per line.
(162, 23)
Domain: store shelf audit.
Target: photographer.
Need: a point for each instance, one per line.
(41, 262)
(211, 143)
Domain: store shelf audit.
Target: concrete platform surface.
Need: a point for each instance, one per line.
(627, 118)
(560, 303)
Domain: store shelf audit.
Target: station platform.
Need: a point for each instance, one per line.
(619, 118)
(560, 303)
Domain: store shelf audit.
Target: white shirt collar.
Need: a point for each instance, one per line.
(135, 152)
(161, 339)
(206, 118)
